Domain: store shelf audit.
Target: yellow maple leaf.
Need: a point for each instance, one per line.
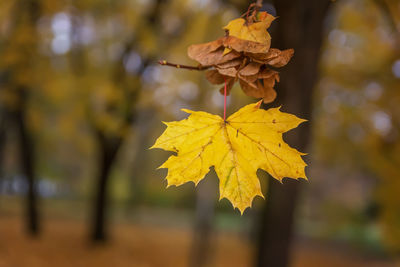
(248, 140)
(255, 32)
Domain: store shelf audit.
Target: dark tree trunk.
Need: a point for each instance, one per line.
(202, 245)
(26, 14)
(26, 153)
(108, 150)
(300, 26)
(2, 141)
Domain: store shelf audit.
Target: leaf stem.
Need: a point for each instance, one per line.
(180, 66)
(225, 99)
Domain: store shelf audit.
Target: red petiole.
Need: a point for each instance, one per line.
(225, 100)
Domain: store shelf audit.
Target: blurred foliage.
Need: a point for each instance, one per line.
(357, 116)
(90, 65)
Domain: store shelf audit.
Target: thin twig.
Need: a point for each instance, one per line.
(253, 10)
(257, 7)
(248, 11)
(180, 66)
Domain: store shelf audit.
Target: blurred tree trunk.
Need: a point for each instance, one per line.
(25, 16)
(3, 137)
(26, 152)
(110, 145)
(107, 154)
(300, 26)
(107, 146)
(202, 245)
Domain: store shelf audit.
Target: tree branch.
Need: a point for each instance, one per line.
(180, 66)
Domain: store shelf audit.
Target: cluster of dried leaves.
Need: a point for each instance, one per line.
(244, 54)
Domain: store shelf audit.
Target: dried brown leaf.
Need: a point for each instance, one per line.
(282, 59)
(262, 57)
(200, 52)
(263, 74)
(274, 57)
(249, 79)
(263, 88)
(211, 53)
(268, 94)
(231, 63)
(250, 69)
(268, 73)
(231, 72)
(251, 83)
(241, 45)
(214, 77)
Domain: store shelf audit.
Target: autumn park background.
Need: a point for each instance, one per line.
(82, 97)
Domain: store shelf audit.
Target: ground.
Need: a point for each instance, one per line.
(64, 243)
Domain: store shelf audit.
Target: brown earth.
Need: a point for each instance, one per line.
(64, 243)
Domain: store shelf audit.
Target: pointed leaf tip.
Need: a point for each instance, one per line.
(187, 111)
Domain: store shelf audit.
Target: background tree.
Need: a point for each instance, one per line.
(17, 84)
(300, 27)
